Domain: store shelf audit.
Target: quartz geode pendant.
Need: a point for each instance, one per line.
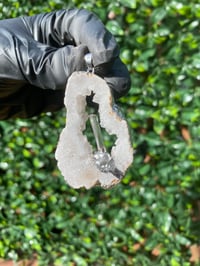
(78, 163)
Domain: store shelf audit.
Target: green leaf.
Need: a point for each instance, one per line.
(115, 28)
(158, 14)
(129, 3)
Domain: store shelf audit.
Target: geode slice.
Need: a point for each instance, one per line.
(74, 153)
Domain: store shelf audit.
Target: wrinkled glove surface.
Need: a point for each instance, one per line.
(42, 51)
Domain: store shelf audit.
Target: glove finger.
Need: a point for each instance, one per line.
(86, 28)
(118, 79)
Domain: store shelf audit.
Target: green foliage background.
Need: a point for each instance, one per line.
(155, 208)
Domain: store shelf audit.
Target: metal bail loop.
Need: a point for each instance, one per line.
(88, 61)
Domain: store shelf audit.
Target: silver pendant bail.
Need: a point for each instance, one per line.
(89, 63)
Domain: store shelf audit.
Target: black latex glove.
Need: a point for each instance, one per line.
(44, 50)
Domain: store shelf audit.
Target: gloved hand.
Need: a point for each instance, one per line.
(45, 49)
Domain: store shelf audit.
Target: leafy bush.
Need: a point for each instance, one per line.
(152, 217)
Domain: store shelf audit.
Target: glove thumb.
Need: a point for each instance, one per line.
(77, 62)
